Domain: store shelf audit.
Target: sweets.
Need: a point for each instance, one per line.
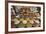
(24, 21)
(16, 21)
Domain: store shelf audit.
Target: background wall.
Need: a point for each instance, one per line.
(2, 17)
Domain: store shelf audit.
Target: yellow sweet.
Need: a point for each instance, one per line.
(27, 19)
(31, 21)
(16, 21)
(37, 21)
(24, 21)
(21, 19)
